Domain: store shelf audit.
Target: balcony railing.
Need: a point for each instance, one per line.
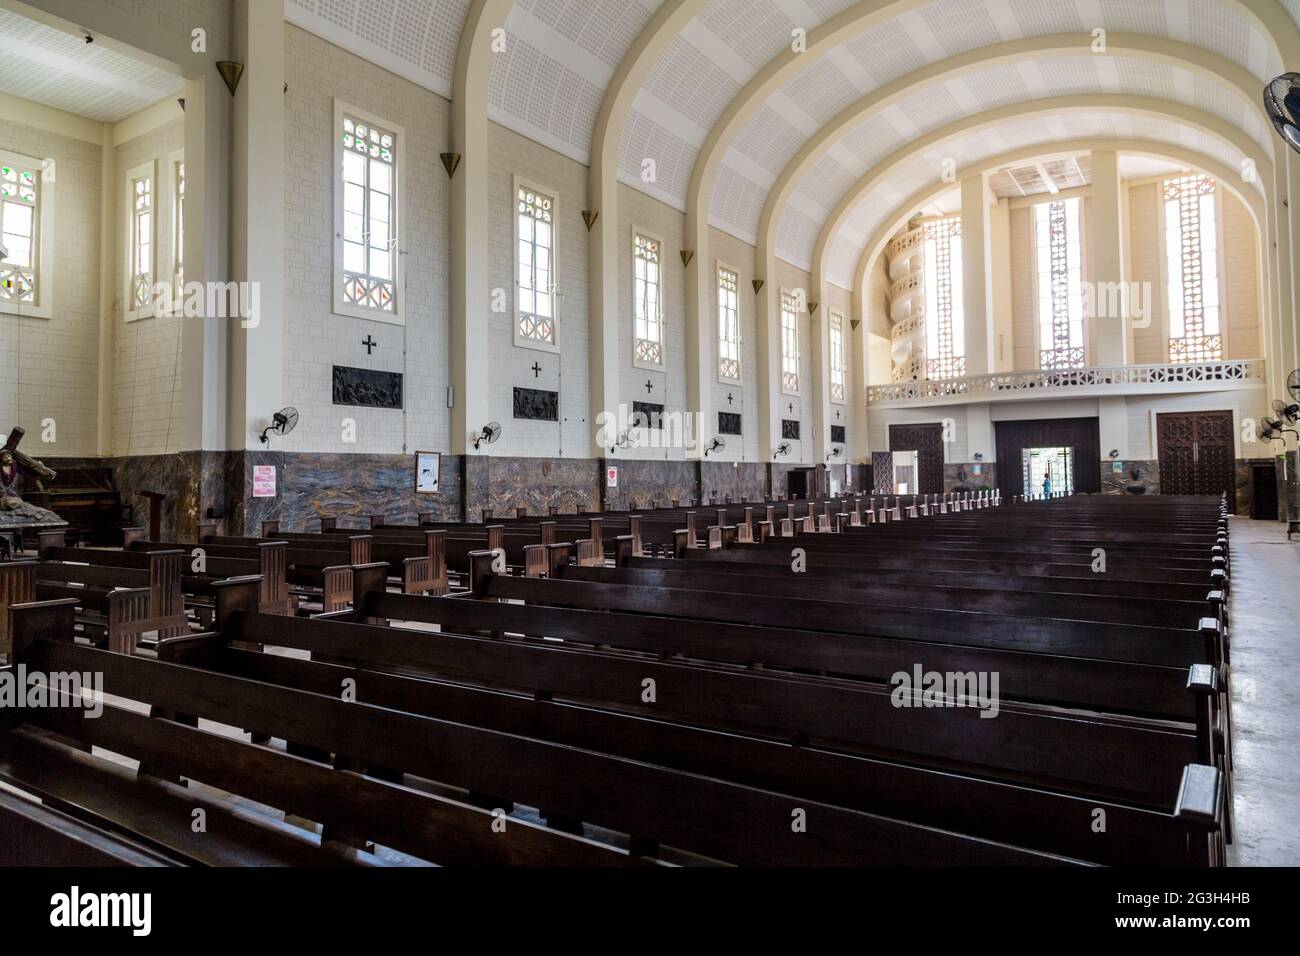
(1003, 385)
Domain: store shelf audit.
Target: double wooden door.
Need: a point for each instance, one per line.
(927, 441)
(1197, 454)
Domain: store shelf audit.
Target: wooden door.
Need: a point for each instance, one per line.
(1197, 454)
(927, 441)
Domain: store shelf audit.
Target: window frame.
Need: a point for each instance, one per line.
(340, 304)
(956, 304)
(44, 270)
(1083, 277)
(719, 266)
(131, 312)
(662, 364)
(782, 294)
(176, 163)
(520, 341)
(839, 365)
(1220, 265)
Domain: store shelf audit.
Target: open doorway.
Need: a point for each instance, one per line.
(1048, 472)
(906, 472)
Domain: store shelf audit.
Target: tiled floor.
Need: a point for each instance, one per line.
(1265, 682)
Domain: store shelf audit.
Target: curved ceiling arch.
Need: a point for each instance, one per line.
(811, 166)
(691, 126)
(1252, 199)
(1149, 110)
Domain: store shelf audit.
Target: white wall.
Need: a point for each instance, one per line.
(565, 371)
(315, 338)
(49, 367)
(146, 352)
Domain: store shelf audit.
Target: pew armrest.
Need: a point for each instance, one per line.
(1200, 797)
(1202, 679)
(190, 647)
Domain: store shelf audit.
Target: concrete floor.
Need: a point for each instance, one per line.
(1265, 681)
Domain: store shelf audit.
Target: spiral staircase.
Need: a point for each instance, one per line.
(905, 257)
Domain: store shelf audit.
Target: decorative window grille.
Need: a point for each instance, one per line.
(646, 301)
(536, 289)
(1058, 240)
(789, 342)
(945, 325)
(1192, 251)
(369, 216)
(838, 366)
(20, 221)
(140, 263)
(728, 326)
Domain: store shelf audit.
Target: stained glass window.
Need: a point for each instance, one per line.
(728, 325)
(838, 365)
(945, 325)
(1192, 254)
(20, 223)
(1059, 249)
(369, 216)
(536, 286)
(789, 341)
(142, 251)
(646, 302)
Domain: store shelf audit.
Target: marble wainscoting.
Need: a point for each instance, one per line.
(738, 480)
(641, 481)
(346, 487)
(1125, 483)
(1288, 499)
(502, 484)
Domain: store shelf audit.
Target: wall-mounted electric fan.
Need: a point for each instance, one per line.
(282, 422)
(490, 433)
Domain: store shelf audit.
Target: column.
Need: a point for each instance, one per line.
(207, 243)
(1104, 228)
(257, 220)
(976, 284)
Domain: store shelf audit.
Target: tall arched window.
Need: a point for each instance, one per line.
(945, 325)
(1192, 257)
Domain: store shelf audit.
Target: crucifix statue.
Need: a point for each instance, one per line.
(12, 464)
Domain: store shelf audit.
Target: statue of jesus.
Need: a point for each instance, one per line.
(14, 512)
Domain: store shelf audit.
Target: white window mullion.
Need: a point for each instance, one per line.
(141, 241)
(647, 301)
(367, 212)
(26, 223)
(728, 325)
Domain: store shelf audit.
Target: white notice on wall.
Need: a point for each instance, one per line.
(611, 477)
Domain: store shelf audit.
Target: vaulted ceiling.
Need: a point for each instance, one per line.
(912, 68)
(49, 66)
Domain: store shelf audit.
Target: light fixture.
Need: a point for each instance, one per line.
(230, 72)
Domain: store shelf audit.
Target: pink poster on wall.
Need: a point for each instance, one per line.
(264, 481)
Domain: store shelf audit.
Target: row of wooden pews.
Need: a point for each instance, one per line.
(738, 703)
